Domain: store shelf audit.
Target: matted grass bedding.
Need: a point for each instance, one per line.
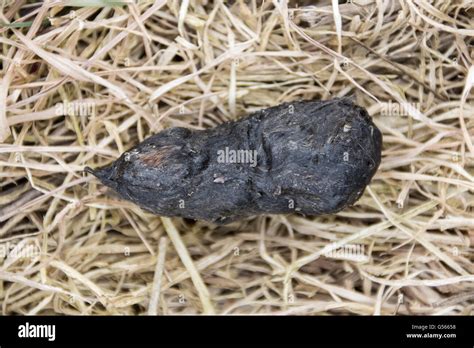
(84, 80)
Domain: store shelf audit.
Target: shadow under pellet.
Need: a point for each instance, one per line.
(309, 157)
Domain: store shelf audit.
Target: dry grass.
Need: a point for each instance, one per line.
(127, 71)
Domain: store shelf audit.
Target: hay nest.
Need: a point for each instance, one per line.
(84, 80)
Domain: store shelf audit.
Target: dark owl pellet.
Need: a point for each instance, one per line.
(309, 157)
